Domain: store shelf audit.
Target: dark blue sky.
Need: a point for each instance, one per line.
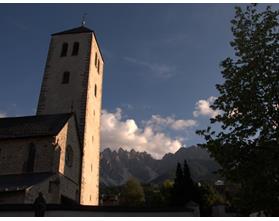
(160, 59)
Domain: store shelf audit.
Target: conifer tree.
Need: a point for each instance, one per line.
(184, 189)
(178, 187)
(189, 187)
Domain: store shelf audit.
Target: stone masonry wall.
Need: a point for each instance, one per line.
(91, 157)
(77, 96)
(14, 155)
(70, 181)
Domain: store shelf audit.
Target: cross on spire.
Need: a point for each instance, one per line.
(83, 19)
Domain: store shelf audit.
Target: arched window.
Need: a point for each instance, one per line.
(75, 49)
(69, 156)
(96, 59)
(95, 90)
(66, 77)
(31, 158)
(64, 50)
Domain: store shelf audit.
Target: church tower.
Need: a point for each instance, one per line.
(72, 82)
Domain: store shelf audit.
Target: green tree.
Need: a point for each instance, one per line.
(208, 197)
(166, 191)
(247, 145)
(190, 192)
(184, 188)
(178, 187)
(132, 193)
(153, 196)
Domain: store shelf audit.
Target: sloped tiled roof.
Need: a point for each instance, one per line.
(32, 126)
(77, 30)
(16, 182)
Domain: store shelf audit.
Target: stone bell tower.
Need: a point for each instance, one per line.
(72, 82)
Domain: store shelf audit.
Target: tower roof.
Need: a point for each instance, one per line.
(80, 29)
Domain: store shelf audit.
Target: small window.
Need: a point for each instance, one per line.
(69, 156)
(75, 49)
(64, 50)
(66, 77)
(91, 167)
(98, 68)
(31, 158)
(96, 59)
(95, 90)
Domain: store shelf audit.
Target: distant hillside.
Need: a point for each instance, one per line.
(118, 166)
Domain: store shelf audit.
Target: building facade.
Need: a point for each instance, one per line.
(72, 84)
(39, 154)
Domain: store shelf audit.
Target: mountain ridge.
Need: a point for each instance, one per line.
(118, 166)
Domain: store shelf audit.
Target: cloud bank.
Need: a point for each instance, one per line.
(152, 136)
(117, 132)
(157, 123)
(203, 108)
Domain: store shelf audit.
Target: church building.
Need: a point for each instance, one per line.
(56, 152)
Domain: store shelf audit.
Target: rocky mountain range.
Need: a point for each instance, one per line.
(118, 166)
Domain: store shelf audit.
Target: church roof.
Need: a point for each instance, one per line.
(16, 182)
(77, 30)
(32, 126)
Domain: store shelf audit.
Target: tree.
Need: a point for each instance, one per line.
(247, 145)
(190, 188)
(153, 196)
(166, 191)
(184, 188)
(132, 193)
(178, 187)
(208, 197)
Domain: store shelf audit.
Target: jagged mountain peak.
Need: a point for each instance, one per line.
(132, 153)
(118, 166)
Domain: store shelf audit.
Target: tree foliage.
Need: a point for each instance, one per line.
(184, 188)
(166, 191)
(247, 146)
(208, 198)
(178, 187)
(132, 193)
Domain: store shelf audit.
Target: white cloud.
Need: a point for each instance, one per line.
(157, 122)
(2, 114)
(117, 132)
(203, 108)
(157, 70)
